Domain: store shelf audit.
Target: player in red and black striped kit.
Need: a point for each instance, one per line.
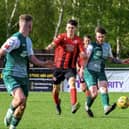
(68, 47)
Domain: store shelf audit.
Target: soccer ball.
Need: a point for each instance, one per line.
(123, 102)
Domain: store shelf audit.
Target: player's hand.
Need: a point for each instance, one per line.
(49, 64)
(47, 48)
(50, 46)
(125, 61)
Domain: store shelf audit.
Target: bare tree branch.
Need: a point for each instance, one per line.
(9, 19)
(61, 12)
(13, 13)
(6, 7)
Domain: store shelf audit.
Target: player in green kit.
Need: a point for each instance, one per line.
(94, 73)
(18, 52)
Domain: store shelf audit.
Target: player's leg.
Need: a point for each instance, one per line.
(90, 79)
(10, 83)
(82, 84)
(57, 79)
(9, 115)
(57, 100)
(84, 88)
(19, 101)
(93, 92)
(105, 98)
(70, 74)
(73, 94)
(18, 88)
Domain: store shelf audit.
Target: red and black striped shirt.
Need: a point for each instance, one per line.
(67, 51)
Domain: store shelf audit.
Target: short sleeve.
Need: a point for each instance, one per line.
(11, 44)
(58, 39)
(81, 46)
(110, 51)
(89, 49)
(107, 51)
(29, 47)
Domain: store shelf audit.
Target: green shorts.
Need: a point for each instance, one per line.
(12, 82)
(91, 78)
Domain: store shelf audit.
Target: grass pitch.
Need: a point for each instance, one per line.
(40, 113)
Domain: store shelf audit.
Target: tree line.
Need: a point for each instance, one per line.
(50, 17)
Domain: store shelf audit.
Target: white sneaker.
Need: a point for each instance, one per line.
(75, 107)
(8, 117)
(12, 127)
(88, 110)
(109, 109)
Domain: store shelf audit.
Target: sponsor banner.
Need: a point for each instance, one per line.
(40, 80)
(118, 81)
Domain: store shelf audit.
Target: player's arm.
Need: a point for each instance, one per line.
(85, 57)
(55, 42)
(82, 58)
(112, 58)
(82, 54)
(115, 60)
(77, 66)
(11, 44)
(50, 46)
(88, 52)
(2, 52)
(34, 60)
(125, 61)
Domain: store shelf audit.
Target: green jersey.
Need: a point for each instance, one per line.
(94, 71)
(16, 60)
(96, 60)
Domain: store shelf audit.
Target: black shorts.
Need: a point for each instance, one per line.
(60, 74)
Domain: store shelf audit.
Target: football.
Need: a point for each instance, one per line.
(123, 102)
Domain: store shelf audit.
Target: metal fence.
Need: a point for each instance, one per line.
(40, 78)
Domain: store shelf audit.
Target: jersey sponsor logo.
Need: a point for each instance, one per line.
(9, 44)
(75, 41)
(23, 54)
(69, 47)
(6, 46)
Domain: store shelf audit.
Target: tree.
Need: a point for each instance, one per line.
(60, 18)
(10, 16)
(50, 18)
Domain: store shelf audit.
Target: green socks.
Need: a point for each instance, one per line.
(15, 121)
(89, 101)
(12, 108)
(105, 99)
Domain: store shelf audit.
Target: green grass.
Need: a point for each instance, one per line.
(109, 64)
(40, 113)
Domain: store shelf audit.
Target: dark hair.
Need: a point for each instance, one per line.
(25, 17)
(72, 22)
(100, 30)
(87, 36)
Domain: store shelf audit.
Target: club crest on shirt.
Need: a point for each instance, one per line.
(75, 41)
(7, 46)
(69, 47)
(23, 54)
